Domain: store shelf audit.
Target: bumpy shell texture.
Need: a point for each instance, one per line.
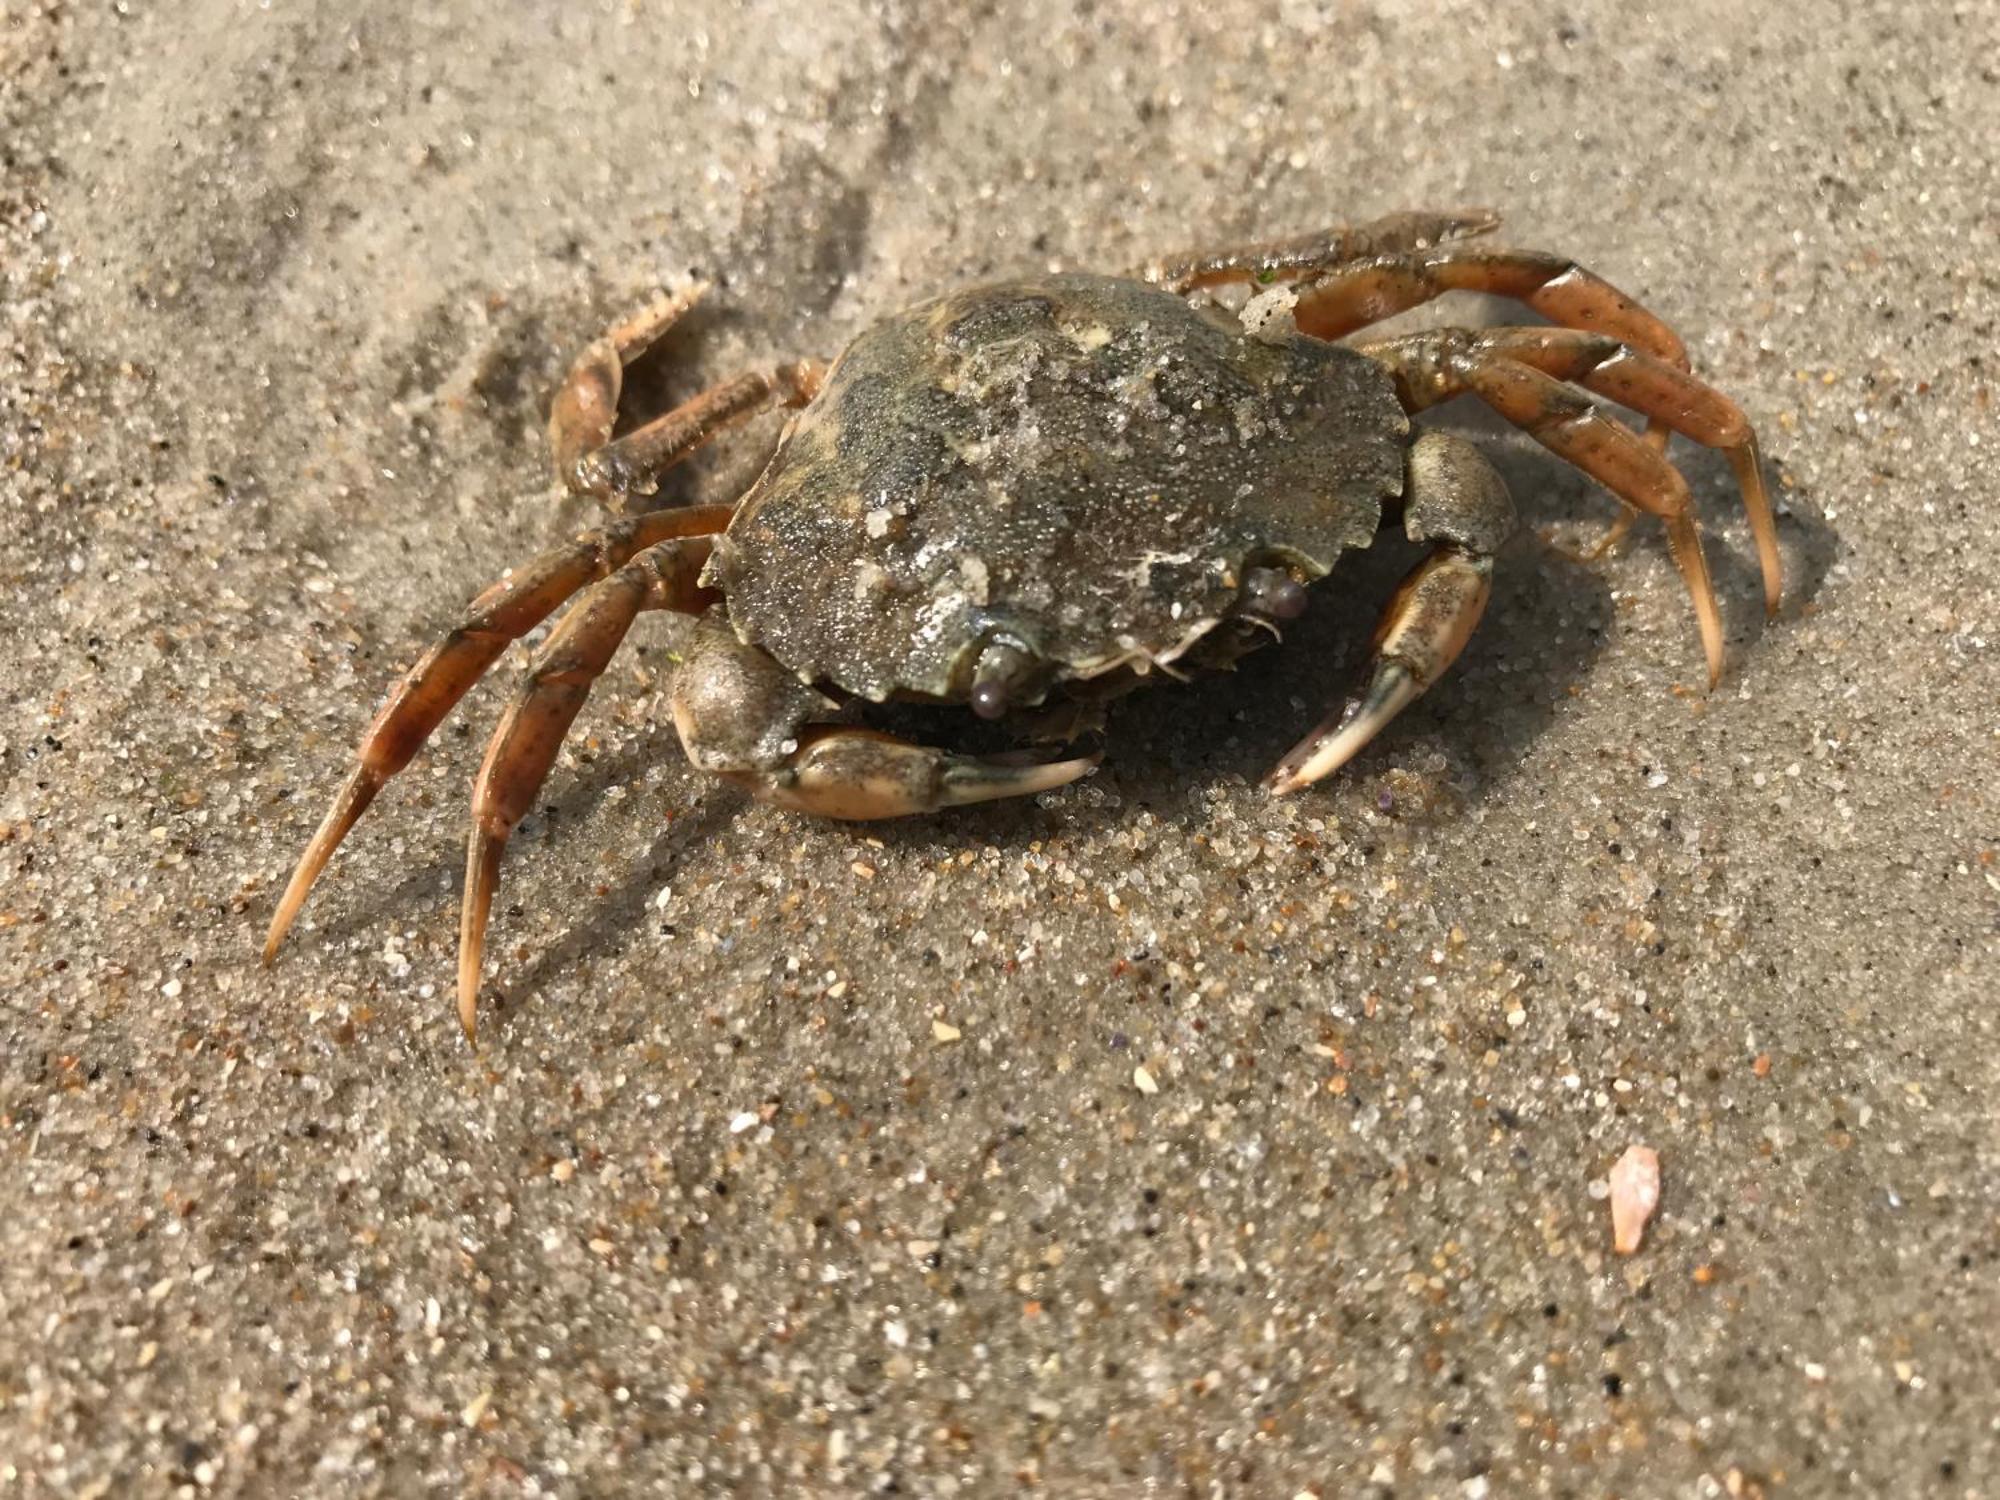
(1079, 466)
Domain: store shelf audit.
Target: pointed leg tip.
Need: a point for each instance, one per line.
(287, 913)
(482, 874)
(274, 935)
(1713, 651)
(469, 991)
(471, 951)
(349, 803)
(1713, 663)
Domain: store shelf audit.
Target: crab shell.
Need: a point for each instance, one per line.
(1079, 467)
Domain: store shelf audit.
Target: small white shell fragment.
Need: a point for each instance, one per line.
(1267, 317)
(1144, 1081)
(944, 1031)
(972, 568)
(1635, 1193)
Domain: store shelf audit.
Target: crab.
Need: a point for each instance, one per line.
(1048, 490)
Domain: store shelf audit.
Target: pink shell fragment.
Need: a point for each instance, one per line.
(1635, 1193)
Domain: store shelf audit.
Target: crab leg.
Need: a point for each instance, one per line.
(1555, 286)
(1506, 370)
(1283, 260)
(1428, 369)
(1351, 297)
(429, 690)
(1569, 425)
(1454, 499)
(632, 465)
(529, 734)
(585, 409)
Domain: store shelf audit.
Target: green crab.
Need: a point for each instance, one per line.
(1049, 490)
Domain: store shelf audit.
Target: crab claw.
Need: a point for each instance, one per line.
(861, 773)
(1426, 626)
(966, 780)
(1341, 737)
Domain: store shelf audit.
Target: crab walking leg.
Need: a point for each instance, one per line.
(632, 465)
(429, 690)
(1566, 422)
(1454, 499)
(1555, 286)
(1429, 368)
(586, 407)
(1353, 296)
(532, 730)
(1282, 260)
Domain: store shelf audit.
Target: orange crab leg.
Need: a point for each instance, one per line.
(631, 465)
(1515, 370)
(1284, 260)
(1428, 369)
(531, 732)
(1568, 424)
(1351, 297)
(429, 690)
(585, 408)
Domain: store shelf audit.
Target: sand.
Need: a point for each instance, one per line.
(1150, 1138)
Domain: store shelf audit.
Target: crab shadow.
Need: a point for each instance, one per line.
(610, 922)
(575, 809)
(607, 923)
(1550, 620)
(1543, 631)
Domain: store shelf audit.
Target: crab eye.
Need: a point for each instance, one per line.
(1001, 667)
(1274, 593)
